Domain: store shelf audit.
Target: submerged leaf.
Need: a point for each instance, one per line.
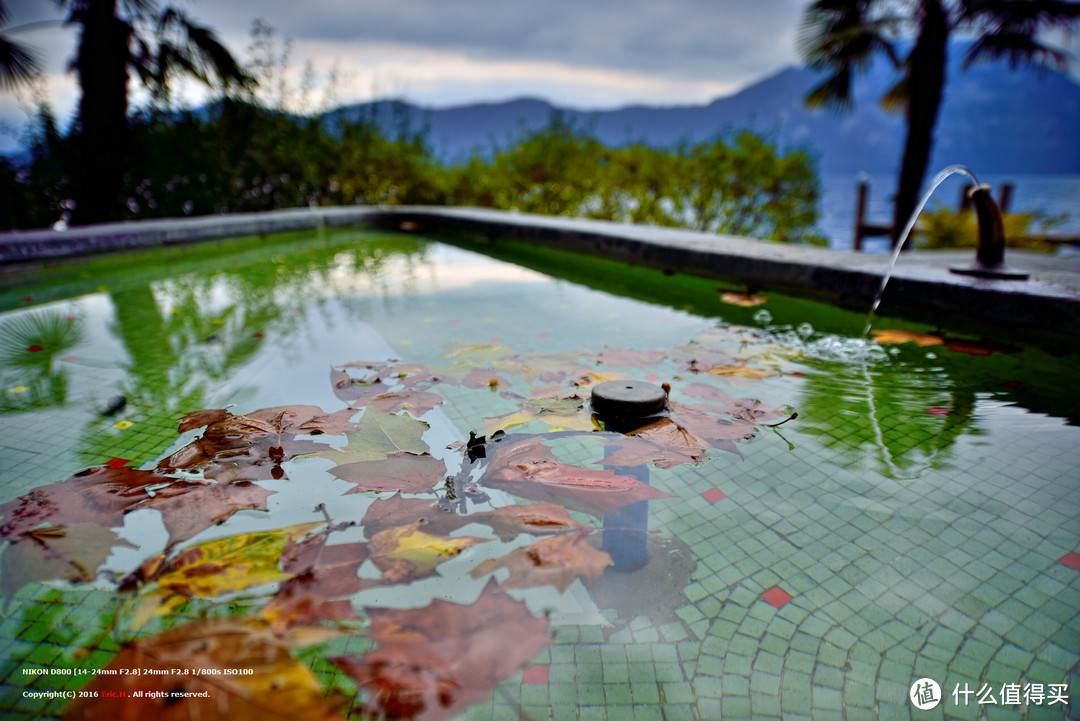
(746, 300)
(594, 492)
(234, 669)
(403, 472)
(396, 511)
(99, 495)
(508, 522)
(629, 358)
(70, 553)
(550, 562)
(433, 662)
(187, 508)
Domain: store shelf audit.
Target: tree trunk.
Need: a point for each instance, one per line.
(925, 89)
(101, 64)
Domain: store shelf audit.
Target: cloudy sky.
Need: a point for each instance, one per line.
(581, 53)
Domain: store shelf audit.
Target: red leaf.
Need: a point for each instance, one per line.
(433, 662)
(550, 562)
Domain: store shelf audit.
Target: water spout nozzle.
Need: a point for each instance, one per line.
(990, 253)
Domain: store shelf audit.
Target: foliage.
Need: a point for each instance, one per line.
(945, 228)
(237, 156)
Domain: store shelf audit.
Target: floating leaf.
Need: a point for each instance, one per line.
(484, 378)
(378, 435)
(252, 447)
(385, 513)
(595, 492)
(558, 410)
(508, 522)
(550, 562)
(234, 669)
(746, 409)
(407, 553)
(322, 576)
(433, 662)
(905, 336)
(98, 495)
(415, 401)
(734, 369)
(592, 378)
(404, 472)
(629, 358)
(745, 300)
(190, 507)
(71, 553)
(669, 434)
(211, 569)
(477, 352)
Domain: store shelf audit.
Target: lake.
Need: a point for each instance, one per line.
(1050, 194)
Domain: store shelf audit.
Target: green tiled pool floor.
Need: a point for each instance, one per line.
(844, 556)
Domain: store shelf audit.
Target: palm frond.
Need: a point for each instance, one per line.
(18, 65)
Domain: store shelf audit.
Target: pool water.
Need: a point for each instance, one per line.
(866, 514)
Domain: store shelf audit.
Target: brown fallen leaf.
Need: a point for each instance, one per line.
(668, 434)
(594, 492)
(188, 507)
(433, 662)
(385, 513)
(98, 495)
(322, 577)
(629, 358)
(747, 409)
(745, 300)
(508, 522)
(415, 401)
(405, 472)
(553, 561)
(905, 336)
(70, 553)
(234, 669)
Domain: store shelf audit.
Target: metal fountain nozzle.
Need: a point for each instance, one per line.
(990, 253)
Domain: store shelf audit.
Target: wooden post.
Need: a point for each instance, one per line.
(1005, 196)
(860, 214)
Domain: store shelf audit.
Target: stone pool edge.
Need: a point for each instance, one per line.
(1049, 301)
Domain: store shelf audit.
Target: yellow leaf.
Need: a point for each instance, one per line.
(905, 336)
(725, 370)
(214, 568)
(746, 300)
(422, 551)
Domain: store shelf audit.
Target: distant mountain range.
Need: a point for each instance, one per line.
(994, 120)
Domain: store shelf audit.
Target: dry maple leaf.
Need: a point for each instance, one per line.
(553, 561)
(405, 472)
(71, 553)
(746, 409)
(378, 435)
(433, 662)
(668, 434)
(245, 673)
(97, 495)
(415, 401)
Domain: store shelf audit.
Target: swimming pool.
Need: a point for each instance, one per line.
(914, 515)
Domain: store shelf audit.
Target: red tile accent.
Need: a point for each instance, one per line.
(938, 411)
(1072, 560)
(776, 596)
(535, 674)
(117, 463)
(652, 378)
(256, 335)
(494, 340)
(27, 298)
(455, 321)
(713, 495)
(69, 358)
(35, 348)
(545, 334)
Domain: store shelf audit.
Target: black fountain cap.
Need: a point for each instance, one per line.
(628, 399)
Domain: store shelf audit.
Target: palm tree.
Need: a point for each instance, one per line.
(120, 38)
(842, 36)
